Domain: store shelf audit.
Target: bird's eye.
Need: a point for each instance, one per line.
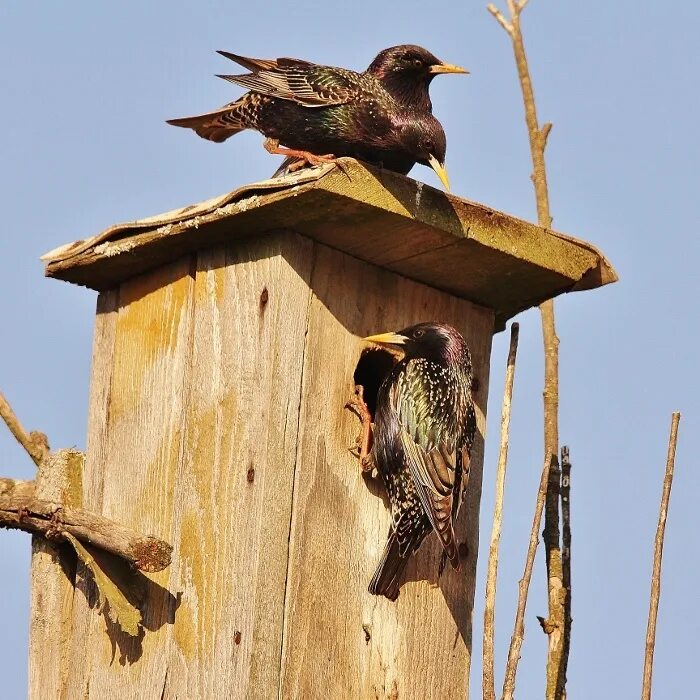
(418, 333)
(417, 62)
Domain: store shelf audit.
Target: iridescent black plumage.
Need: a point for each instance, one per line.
(424, 428)
(319, 110)
(405, 72)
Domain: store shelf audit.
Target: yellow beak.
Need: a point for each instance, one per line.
(439, 168)
(387, 339)
(446, 68)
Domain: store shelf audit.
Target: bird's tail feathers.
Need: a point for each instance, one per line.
(451, 551)
(218, 125)
(387, 578)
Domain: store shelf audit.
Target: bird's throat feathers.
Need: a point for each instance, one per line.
(407, 91)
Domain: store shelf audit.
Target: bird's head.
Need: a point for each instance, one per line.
(433, 341)
(406, 72)
(412, 61)
(424, 138)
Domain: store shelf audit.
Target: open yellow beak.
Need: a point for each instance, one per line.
(387, 339)
(439, 168)
(446, 68)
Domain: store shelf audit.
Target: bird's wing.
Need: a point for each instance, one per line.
(252, 64)
(431, 453)
(305, 83)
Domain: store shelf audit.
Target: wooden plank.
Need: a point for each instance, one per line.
(234, 492)
(339, 641)
(193, 429)
(380, 217)
(52, 653)
(136, 427)
(52, 579)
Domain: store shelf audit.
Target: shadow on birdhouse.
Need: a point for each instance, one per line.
(198, 375)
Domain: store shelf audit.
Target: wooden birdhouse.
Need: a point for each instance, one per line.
(227, 342)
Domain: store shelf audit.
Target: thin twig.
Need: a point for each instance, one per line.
(658, 554)
(489, 688)
(554, 624)
(516, 641)
(34, 443)
(500, 17)
(52, 520)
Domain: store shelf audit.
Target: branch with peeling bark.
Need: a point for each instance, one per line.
(566, 558)
(20, 510)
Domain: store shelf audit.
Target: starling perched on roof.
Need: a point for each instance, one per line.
(424, 427)
(320, 113)
(404, 71)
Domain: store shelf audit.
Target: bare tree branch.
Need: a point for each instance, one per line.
(14, 488)
(20, 510)
(35, 443)
(658, 554)
(489, 687)
(566, 559)
(516, 641)
(501, 19)
(554, 624)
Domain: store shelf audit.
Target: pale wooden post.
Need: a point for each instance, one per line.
(226, 340)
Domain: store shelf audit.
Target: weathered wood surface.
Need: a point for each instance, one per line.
(389, 220)
(234, 491)
(217, 423)
(52, 578)
(135, 439)
(339, 641)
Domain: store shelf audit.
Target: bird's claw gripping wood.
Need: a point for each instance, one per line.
(364, 439)
(273, 146)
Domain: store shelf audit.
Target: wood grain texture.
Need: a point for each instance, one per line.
(52, 579)
(234, 493)
(104, 332)
(217, 424)
(136, 428)
(339, 641)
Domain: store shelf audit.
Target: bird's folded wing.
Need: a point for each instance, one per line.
(432, 462)
(306, 83)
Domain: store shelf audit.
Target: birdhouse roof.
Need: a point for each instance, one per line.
(462, 247)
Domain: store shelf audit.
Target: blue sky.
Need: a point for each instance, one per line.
(86, 88)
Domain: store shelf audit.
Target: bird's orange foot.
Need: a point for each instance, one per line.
(364, 440)
(304, 157)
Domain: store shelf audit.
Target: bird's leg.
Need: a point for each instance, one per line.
(273, 146)
(304, 157)
(364, 439)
